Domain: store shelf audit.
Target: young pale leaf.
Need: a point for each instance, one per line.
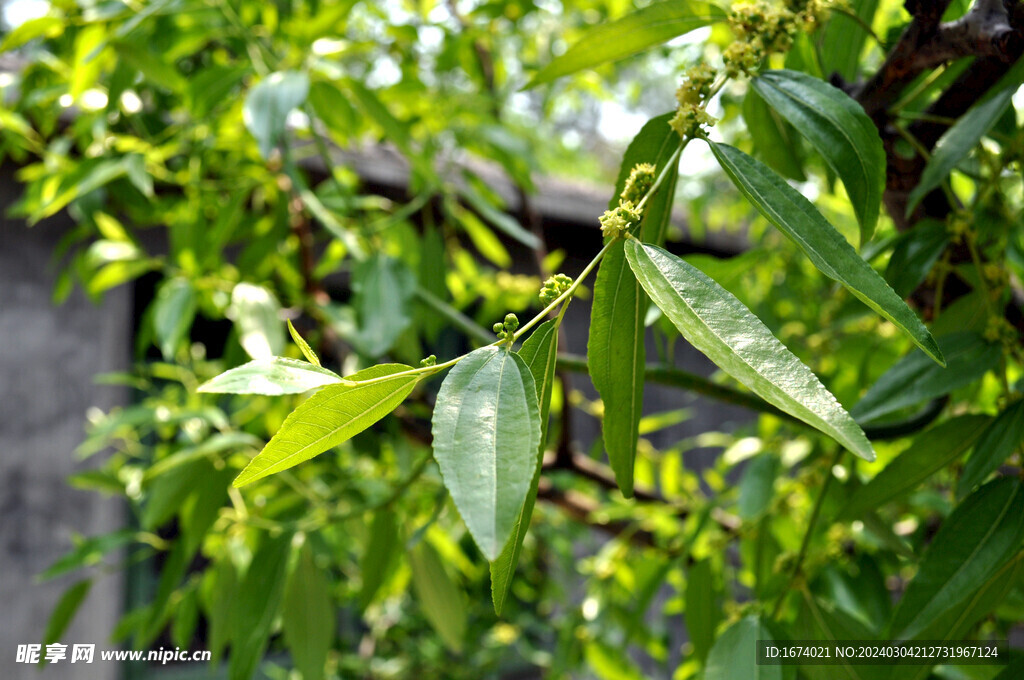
(721, 327)
(273, 376)
(268, 104)
(926, 455)
(635, 32)
(615, 344)
(795, 216)
(757, 486)
(441, 601)
(256, 311)
(486, 431)
(307, 615)
(540, 352)
(173, 312)
(701, 608)
(996, 444)
(958, 141)
(303, 346)
(734, 656)
(915, 255)
(839, 129)
(984, 531)
(330, 417)
(915, 378)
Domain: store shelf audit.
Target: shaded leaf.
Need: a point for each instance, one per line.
(633, 33)
(65, 609)
(914, 378)
(615, 343)
(383, 290)
(734, 655)
(330, 417)
(757, 486)
(486, 430)
(832, 254)
(970, 546)
(718, 324)
(256, 605)
(307, 615)
(930, 452)
(844, 38)
(839, 129)
(775, 140)
(442, 603)
(173, 312)
(539, 352)
(702, 609)
(379, 555)
(958, 141)
(914, 256)
(997, 443)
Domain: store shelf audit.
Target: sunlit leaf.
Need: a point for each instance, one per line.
(795, 216)
(718, 324)
(330, 417)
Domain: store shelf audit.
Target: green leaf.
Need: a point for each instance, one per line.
(273, 376)
(307, 615)
(87, 552)
(832, 254)
(65, 609)
(930, 452)
(983, 532)
(173, 311)
(757, 486)
(718, 324)
(498, 218)
(633, 33)
(379, 555)
(775, 140)
(958, 141)
(268, 104)
(539, 352)
(222, 596)
(615, 344)
(821, 620)
(303, 346)
(443, 604)
(40, 27)
(997, 443)
(383, 291)
(256, 606)
(333, 108)
(843, 40)
(734, 656)
(486, 429)
(332, 416)
(839, 129)
(256, 313)
(702, 609)
(914, 256)
(915, 378)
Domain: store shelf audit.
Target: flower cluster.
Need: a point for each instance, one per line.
(692, 97)
(554, 287)
(506, 330)
(639, 182)
(762, 28)
(616, 222)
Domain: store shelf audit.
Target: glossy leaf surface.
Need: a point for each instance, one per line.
(721, 327)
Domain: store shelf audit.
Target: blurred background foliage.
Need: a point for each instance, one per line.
(196, 145)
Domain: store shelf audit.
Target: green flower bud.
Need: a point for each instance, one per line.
(497, 328)
(429, 361)
(511, 322)
(554, 287)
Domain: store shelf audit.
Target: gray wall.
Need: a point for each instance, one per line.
(48, 358)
